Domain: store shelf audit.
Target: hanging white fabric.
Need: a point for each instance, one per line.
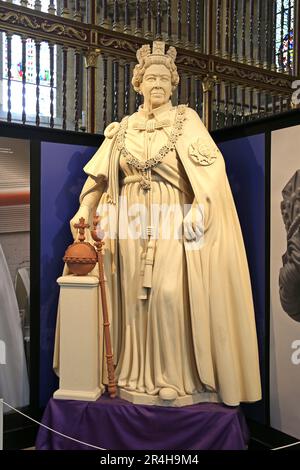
(14, 385)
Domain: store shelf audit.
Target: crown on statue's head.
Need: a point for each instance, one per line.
(158, 54)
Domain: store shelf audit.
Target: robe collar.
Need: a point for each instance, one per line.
(155, 112)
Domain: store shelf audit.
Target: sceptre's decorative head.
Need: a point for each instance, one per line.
(158, 56)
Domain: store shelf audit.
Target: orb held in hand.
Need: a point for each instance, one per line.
(81, 256)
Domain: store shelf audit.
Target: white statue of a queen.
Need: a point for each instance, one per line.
(178, 286)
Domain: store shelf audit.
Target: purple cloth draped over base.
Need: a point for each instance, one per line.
(116, 424)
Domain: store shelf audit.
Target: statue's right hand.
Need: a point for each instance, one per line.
(193, 223)
(84, 212)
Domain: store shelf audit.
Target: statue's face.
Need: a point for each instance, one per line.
(156, 86)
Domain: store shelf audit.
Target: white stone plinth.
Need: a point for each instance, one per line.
(79, 338)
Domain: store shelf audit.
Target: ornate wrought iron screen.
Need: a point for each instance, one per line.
(68, 63)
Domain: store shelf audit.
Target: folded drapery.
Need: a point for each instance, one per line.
(14, 386)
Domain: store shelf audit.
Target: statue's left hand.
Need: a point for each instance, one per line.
(84, 212)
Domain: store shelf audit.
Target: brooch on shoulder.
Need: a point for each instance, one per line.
(203, 151)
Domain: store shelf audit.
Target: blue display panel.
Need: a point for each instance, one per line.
(245, 164)
(62, 178)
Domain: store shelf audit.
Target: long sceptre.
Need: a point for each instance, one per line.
(112, 388)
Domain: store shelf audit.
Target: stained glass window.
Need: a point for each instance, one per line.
(17, 72)
(285, 34)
